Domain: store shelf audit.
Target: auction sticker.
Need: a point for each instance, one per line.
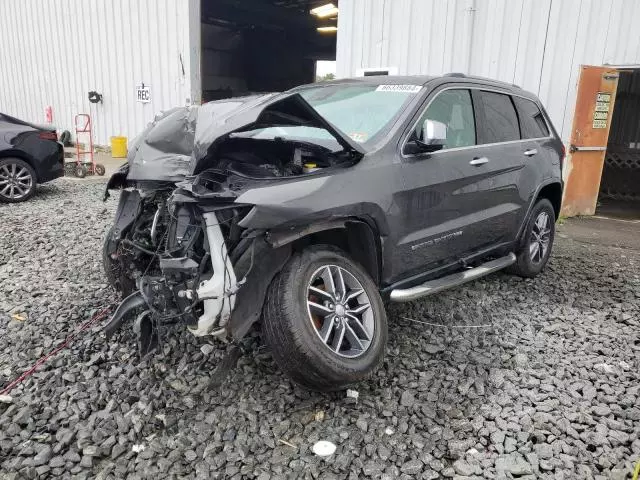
(399, 88)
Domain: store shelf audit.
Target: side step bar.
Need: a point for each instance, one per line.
(453, 280)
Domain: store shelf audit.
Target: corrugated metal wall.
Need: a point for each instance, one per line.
(53, 52)
(537, 44)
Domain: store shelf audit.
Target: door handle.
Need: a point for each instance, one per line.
(574, 149)
(531, 152)
(479, 161)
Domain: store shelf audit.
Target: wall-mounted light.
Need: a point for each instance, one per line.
(327, 29)
(324, 11)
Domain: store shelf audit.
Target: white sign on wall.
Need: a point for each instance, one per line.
(143, 93)
(601, 112)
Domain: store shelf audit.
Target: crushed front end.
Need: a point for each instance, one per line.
(190, 277)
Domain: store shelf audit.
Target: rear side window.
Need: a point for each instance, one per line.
(501, 120)
(531, 119)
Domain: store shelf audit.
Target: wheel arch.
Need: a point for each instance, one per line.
(21, 156)
(356, 237)
(553, 193)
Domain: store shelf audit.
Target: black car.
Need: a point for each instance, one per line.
(301, 211)
(29, 154)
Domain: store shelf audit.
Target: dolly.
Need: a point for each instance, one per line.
(82, 168)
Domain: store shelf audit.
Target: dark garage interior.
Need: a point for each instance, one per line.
(620, 184)
(252, 46)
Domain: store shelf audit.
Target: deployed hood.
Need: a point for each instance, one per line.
(177, 141)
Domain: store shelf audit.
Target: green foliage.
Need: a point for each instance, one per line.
(325, 78)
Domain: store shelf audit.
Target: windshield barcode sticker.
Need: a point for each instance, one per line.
(399, 88)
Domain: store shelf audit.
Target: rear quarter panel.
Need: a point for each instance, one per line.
(45, 156)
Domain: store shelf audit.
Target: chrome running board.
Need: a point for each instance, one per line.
(453, 280)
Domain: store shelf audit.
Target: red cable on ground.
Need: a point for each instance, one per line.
(93, 320)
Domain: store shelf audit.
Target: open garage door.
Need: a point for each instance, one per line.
(253, 46)
(620, 185)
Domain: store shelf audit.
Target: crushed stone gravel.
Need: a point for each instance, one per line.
(551, 390)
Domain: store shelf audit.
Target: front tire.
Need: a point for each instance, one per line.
(113, 269)
(538, 237)
(324, 320)
(17, 180)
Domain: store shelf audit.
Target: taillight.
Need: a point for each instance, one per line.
(49, 136)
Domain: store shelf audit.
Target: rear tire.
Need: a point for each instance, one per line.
(353, 344)
(17, 180)
(537, 241)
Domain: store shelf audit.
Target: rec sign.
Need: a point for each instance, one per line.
(143, 93)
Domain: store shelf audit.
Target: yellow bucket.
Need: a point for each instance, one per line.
(118, 147)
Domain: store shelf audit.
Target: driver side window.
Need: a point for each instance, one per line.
(454, 109)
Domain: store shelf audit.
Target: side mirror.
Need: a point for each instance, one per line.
(434, 133)
(434, 137)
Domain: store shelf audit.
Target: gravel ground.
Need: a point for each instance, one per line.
(550, 388)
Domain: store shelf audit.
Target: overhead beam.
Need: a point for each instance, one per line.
(258, 12)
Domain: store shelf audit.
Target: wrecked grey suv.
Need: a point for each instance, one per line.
(299, 212)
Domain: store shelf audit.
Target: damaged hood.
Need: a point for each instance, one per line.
(163, 150)
(175, 143)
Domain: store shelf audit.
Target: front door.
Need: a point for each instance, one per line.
(460, 199)
(591, 121)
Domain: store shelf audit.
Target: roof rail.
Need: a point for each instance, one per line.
(463, 75)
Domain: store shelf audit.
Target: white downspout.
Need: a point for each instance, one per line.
(471, 20)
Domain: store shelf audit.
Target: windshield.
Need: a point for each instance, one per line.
(359, 111)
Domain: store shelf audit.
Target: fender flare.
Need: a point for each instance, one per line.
(281, 238)
(532, 202)
(368, 243)
(259, 275)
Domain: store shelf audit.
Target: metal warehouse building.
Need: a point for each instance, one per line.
(540, 45)
(143, 56)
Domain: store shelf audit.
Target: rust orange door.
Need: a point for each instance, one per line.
(592, 119)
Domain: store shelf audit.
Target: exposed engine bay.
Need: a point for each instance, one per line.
(276, 157)
(174, 266)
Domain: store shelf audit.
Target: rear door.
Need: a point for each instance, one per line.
(539, 147)
(463, 198)
(512, 173)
